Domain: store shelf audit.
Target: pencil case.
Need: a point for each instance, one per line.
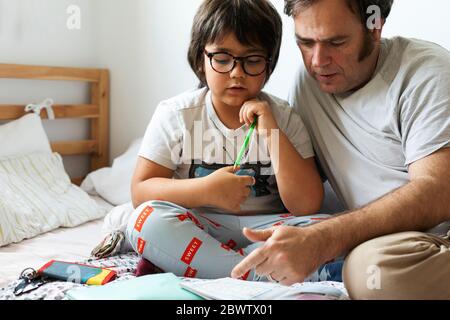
(75, 272)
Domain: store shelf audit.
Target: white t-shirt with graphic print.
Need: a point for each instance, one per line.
(186, 135)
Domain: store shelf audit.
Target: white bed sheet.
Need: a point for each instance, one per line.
(67, 244)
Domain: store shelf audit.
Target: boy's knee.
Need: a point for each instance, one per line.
(158, 210)
(149, 220)
(409, 265)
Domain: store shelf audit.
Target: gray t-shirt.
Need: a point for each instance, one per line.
(366, 140)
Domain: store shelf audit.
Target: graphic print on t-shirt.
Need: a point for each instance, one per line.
(256, 170)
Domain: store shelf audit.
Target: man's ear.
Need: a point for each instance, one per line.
(376, 32)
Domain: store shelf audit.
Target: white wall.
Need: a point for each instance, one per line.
(35, 32)
(144, 44)
(429, 20)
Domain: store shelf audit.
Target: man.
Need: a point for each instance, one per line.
(378, 111)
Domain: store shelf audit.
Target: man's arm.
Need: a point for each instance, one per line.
(293, 254)
(418, 206)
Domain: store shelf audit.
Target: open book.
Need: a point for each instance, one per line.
(233, 289)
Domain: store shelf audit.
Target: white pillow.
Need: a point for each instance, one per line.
(23, 136)
(114, 183)
(37, 196)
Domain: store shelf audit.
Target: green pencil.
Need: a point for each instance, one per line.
(245, 144)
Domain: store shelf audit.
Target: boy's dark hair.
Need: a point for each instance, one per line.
(253, 22)
(359, 7)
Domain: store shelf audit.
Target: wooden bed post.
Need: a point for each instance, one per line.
(100, 125)
(97, 111)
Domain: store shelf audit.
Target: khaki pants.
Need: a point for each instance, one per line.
(409, 265)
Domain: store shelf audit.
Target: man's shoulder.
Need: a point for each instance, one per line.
(302, 75)
(282, 111)
(279, 106)
(414, 45)
(412, 64)
(273, 100)
(416, 54)
(305, 83)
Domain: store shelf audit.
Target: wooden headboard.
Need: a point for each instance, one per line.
(97, 111)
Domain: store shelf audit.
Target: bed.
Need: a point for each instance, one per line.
(68, 244)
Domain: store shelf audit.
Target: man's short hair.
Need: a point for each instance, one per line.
(359, 7)
(253, 22)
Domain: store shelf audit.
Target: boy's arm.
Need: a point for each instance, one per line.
(298, 180)
(153, 181)
(221, 189)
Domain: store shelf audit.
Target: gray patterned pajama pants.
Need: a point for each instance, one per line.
(190, 243)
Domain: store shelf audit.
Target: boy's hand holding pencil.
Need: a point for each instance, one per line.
(229, 191)
(226, 190)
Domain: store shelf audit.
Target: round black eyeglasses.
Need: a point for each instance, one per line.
(223, 62)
